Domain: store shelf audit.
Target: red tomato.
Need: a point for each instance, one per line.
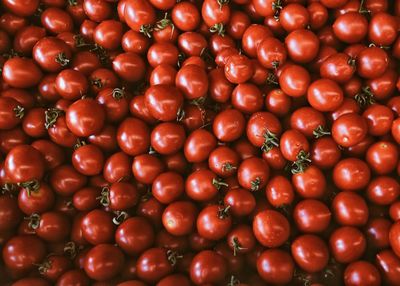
(271, 228)
(275, 266)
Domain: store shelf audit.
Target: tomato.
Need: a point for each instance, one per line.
(271, 52)
(252, 37)
(162, 53)
(103, 262)
(50, 226)
(241, 202)
(382, 157)
(26, 38)
(347, 244)
(21, 73)
(271, 228)
(362, 272)
(192, 81)
(229, 125)
(214, 222)
(247, 98)
(383, 190)
(349, 129)
(379, 119)
(382, 29)
(185, 16)
(279, 191)
(302, 45)
(146, 168)
(163, 74)
(262, 130)
(199, 145)
(325, 95)
(71, 84)
(129, 66)
(97, 227)
(134, 235)
(108, 34)
(294, 80)
(22, 8)
(86, 199)
(265, 7)
(388, 263)
(163, 102)
(9, 212)
(73, 276)
(275, 266)
(372, 62)
(310, 253)
(325, 153)
(134, 42)
(203, 185)
(382, 87)
(52, 54)
(308, 121)
(238, 69)
(168, 187)
(133, 140)
(351, 27)
(253, 174)
(31, 281)
(351, 174)
(155, 263)
(179, 217)
(97, 10)
(350, 209)
(208, 267)
(223, 161)
(56, 20)
(22, 252)
(311, 216)
(11, 112)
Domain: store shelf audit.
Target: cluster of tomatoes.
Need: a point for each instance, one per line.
(199, 142)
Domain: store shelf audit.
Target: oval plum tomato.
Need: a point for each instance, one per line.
(108, 34)
(85, 117)
(203, 185)
(163, 102)
(350, 209)
(87, 199)
(52, 54)
(238, 69)
(97, 10)
(22, 252)
(253, 173)
(192, 81)
(135, 42)
(179, 217)
(262, 130)
(351, 27)
(103, 262)
(133, 136)
(275, 266)
(383, 190)
(134, 235)
(51, 226)
(10, 213)
(186, 16)
(97, 227)
(88, 159)
(389, 265)
(71, 84)
(362, 272)
(382, 29)
(167, 187)
(293, 144)
(36, 201)
(56, 20)
(168, 138)
(241, 202)
(21, 73)
(311, 216)
(325, 95)
(11, 113)
(271, 228)
(349, 129)
(302, 45)
(162, 53)
(279, 191)
(214, 222)
(199, 145)
(310, 252)
(23, 164)
(156, 263)
(65, 180)
(22, 8)
(382, 157)
(351, 174)
(377, 233)
(294, 17)
(294, 80)
(129, 66)
(146, 168)
(372, 62)
(241, 239)
(271, 53)
(338, 67)
(347, 244)
(229, 125)
(26, 38)
(215, 12)
(208, 267)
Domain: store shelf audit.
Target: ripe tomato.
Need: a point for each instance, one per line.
(215, 12)
(155, 263)
(275, 266)
(271, 53)
(179, 217)
(382, 22)
(133, 136)
(351, 174)
(362, 272)
(311, 216)
(168, 187)
(271, 228)
(97, 227)
(372, 62)
(56, 20)
(129, 67)
(382, 157)
(241, 202)
(247, 98)
(163, 102)
(21, 73)
(351, 27)
(185, 16)
(51, 226)
(103, 262)
(214, 222)
(229, 125)
(146, 168)
(350, 209)
(252, 37)
(262, 130)
(294, 80)
(383, 190)
(199, 145)
(325, 95)
(253, 174)
(208, 267)
(97, 10)
(302, 45)
(349, 129)
(192, 81)
(310, 253)
(347, 244)
(238, 69)
(339, 67)
(51, 54)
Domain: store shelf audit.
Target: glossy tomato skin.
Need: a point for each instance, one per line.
(383, 190)
(241, 202)
(21, 73)
(350, 209)
(97, 227)
(349, 129)
(347, 244)
(214, 263)
(103, 262)
(382, 157)
(253, 173)
(229, 125)
(294, 80)
(56, 20)
(179, 217)
(351, 27)
(213, 222)
(163, 102)
(362, 272)
(199, 145)
(10, 213)
(275, 266)
(168, 187)
(351, 174)
(134, 235)
(271, 228)
(65, 180)
(310, 252)
(389, 265)
(52, 54)
(238, 69)
(311, 216)
(133, 141)
(153, 265)
(325, 153)
(88, 160)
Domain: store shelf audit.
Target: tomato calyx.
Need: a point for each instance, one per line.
(271, 79)
(173, 256)
(79, 143)
(180, 115)
(221, 3)
(97, 82)
(8, 188)
(270, 141)
(277, 7)
(120, 217)
(80, 41)
(219, 183)
(255, 184)
(118, 93)
(363, 9)
(104, 197)
(70, 249)
(51, 116)
(236, 246)
(233, 281)
(302, 162)
(320, 131)
(72, 2)
(164, 23)
(101, 53)
(11, 54)
(227, 167)
(30, 186)
(34, 221)
(146, 30)
(223, 211)
(44, 266)
(198, 101)
(365, 97)
(62, 59)
(19, 111)
(218, 29)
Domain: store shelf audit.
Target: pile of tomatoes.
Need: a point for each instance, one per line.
(199, 142)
